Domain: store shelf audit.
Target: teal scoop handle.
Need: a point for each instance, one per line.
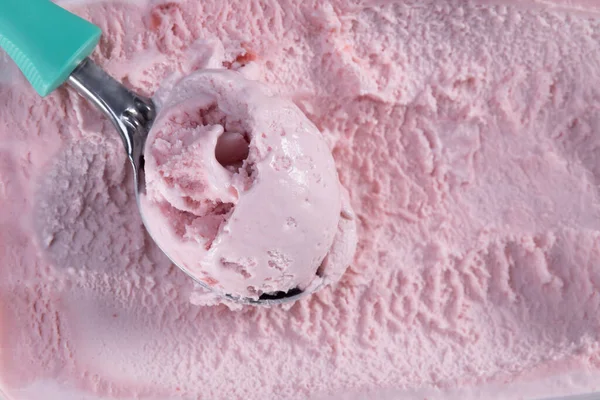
(45, 41)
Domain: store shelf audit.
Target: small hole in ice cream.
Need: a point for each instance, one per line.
(321, 270)
(280, 294)
(231, 150)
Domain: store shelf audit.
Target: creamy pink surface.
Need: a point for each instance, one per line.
(467, 135)
(241, 188)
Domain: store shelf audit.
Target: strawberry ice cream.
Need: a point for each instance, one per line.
(467, 135)
(242, 190)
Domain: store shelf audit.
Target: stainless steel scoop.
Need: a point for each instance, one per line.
(133, 115)
(51, 47)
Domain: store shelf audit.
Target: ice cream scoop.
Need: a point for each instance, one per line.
(242, 189)
(51, 47)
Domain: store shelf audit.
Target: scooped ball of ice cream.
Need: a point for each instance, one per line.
(242, 191)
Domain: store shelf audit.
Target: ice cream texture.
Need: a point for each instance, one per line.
(242, 190)
(466, 133)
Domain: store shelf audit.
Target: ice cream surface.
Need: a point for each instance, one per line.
(242, 190)
(466, 133)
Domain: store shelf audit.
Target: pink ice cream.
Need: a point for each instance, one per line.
(467, 134)
(242, 190)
